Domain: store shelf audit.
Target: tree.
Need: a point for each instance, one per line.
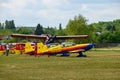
(78, 26)
(24, 31)
(39, 30)
(6, 24)
(111, 28)
(12, 24)
(60, 26)
(107, 37)
(104, 37)
(116, 37)
(60, 32)
(116, 23)
(9, 24)
(49, 30)
(1, 26)
(108, 31)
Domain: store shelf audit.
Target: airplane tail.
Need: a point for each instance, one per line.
(28, 48)
(41, 48)
(2, 49)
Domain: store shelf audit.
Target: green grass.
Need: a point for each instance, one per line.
(99, 65)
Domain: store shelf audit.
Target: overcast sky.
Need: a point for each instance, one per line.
(53, 12)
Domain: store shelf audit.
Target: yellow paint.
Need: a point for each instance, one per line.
(28, 48)
(12, 51)
(41, 48)
(18, 52)
(2, 52)
(55, 49)
(82, 44)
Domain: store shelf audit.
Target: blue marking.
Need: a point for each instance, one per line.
(91, 45)
(64, 53)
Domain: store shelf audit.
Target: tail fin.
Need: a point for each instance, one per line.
(28, 48)
(41, 48)
(2, 49)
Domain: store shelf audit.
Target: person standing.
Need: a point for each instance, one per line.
(7, 49)
(35, 51)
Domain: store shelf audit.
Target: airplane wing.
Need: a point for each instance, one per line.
(76, 51)
(44, 36)
(28, 36)
(72, 37)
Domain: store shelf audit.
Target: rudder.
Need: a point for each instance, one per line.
(28, 48)
(41, 48)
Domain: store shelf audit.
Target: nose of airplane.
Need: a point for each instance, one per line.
(91, 45)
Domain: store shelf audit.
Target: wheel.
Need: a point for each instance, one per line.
(82, 55)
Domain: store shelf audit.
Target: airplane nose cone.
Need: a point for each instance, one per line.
(91, 45)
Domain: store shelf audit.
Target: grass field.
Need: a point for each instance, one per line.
(99, 65)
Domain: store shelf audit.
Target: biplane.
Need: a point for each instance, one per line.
(45, 49)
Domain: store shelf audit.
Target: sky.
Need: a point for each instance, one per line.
(53, 12)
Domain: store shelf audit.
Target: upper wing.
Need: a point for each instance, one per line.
(72, 37)
(44, 36)
(28, 36)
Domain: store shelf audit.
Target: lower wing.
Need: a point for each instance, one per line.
(76, 51)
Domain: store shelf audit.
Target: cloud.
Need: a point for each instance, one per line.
(53, 4)
(102, 12)
(84, 6)
(53, 12)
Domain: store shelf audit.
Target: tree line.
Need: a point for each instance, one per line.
(101, 32)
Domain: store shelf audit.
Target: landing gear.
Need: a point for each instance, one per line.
(81, 55)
